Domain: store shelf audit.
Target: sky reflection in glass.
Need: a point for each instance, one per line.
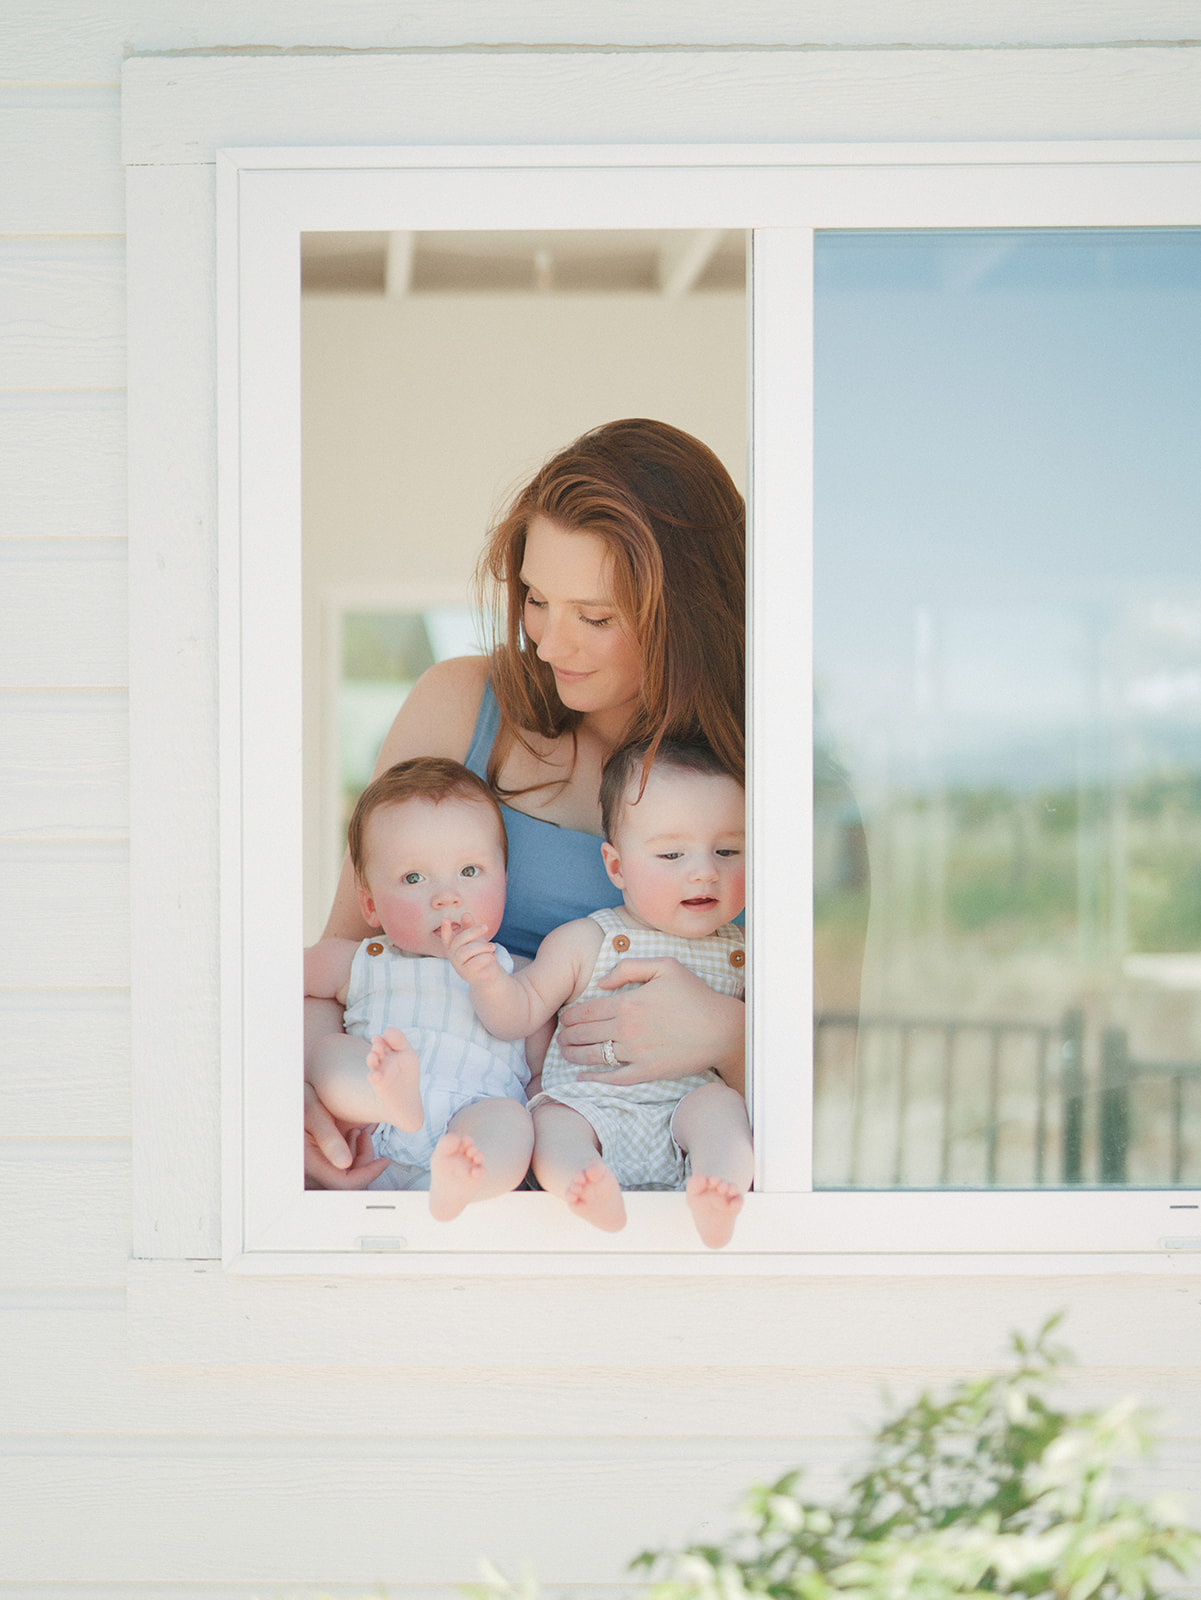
(1008, 669)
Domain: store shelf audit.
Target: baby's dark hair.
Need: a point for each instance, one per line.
(423, 778)
(632, 759)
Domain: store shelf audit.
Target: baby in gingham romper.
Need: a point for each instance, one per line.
(674, 846)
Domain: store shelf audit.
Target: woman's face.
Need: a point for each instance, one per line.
(572, 622)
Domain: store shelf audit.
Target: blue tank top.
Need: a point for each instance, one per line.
(555, 874)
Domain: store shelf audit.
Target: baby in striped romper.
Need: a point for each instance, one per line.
(427, 843)
(674, 846)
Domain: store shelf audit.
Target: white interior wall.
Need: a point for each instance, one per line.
(422, 413)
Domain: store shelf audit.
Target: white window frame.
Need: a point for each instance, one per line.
(266, 198)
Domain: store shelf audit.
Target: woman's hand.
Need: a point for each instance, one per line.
(671, 1025)
(333, 1160)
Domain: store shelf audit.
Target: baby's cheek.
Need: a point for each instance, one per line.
(491, 910)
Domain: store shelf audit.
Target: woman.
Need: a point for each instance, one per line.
(621, 568)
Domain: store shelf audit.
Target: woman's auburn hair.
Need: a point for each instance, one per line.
(675, 526)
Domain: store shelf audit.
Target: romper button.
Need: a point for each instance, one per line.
(621, 943)
(374, 949)
(737, 958)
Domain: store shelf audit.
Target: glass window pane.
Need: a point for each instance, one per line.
(383, 655)
(1008, 683)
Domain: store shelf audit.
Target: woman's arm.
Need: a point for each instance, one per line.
(672, 1025)
(327, 969)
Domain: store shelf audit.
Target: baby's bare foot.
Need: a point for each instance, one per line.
(715, 1205)
(595, 1195)
(394, 1072)
(456, 1171)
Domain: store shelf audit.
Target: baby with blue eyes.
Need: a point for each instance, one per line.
(675, 836)
(428, 847)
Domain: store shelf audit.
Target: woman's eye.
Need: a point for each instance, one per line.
(411, 878)
(538, 605)
(598, 622)
(470, 872)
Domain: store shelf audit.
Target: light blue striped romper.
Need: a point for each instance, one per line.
(461, 1062)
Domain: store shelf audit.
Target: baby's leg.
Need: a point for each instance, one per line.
(567, 1163)
(711, 1125)
(484, 1151)
(394, 1072)
(339, 1069)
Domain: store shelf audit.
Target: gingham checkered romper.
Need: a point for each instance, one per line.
(634, 1123)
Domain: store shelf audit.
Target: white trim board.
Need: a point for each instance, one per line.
(182, 109)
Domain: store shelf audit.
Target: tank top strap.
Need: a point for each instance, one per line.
(483, 737)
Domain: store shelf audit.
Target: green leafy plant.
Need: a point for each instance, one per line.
(990, 1490)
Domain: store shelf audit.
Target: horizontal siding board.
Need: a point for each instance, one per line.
(1179, 1588)
(63, 614)
(66, 918)
(62, 464)
(65, 1056)
(193, 1314)
(64, 1218)
(84, 40)
(178, 111)
(407, 1511)
(65, 757)
(67, 1372)
(258, 1591)
(60, 161)
(62, 313)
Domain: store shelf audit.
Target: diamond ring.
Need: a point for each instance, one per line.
(609, 1054)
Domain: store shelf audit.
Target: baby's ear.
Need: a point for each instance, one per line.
(367, 907)
(612, 864)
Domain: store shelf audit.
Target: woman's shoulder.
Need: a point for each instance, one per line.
(459, 676)
(438, 716)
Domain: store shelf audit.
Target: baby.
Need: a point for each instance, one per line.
(675, 848)
(428, 847)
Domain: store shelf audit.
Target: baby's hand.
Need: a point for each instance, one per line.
(471, 952)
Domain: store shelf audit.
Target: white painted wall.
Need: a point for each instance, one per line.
(368, 1446)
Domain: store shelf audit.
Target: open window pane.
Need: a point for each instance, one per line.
(439, 367)
(1007, 668)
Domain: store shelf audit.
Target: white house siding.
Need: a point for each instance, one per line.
(178, 1460)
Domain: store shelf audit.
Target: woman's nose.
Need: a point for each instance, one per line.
(551, 644)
